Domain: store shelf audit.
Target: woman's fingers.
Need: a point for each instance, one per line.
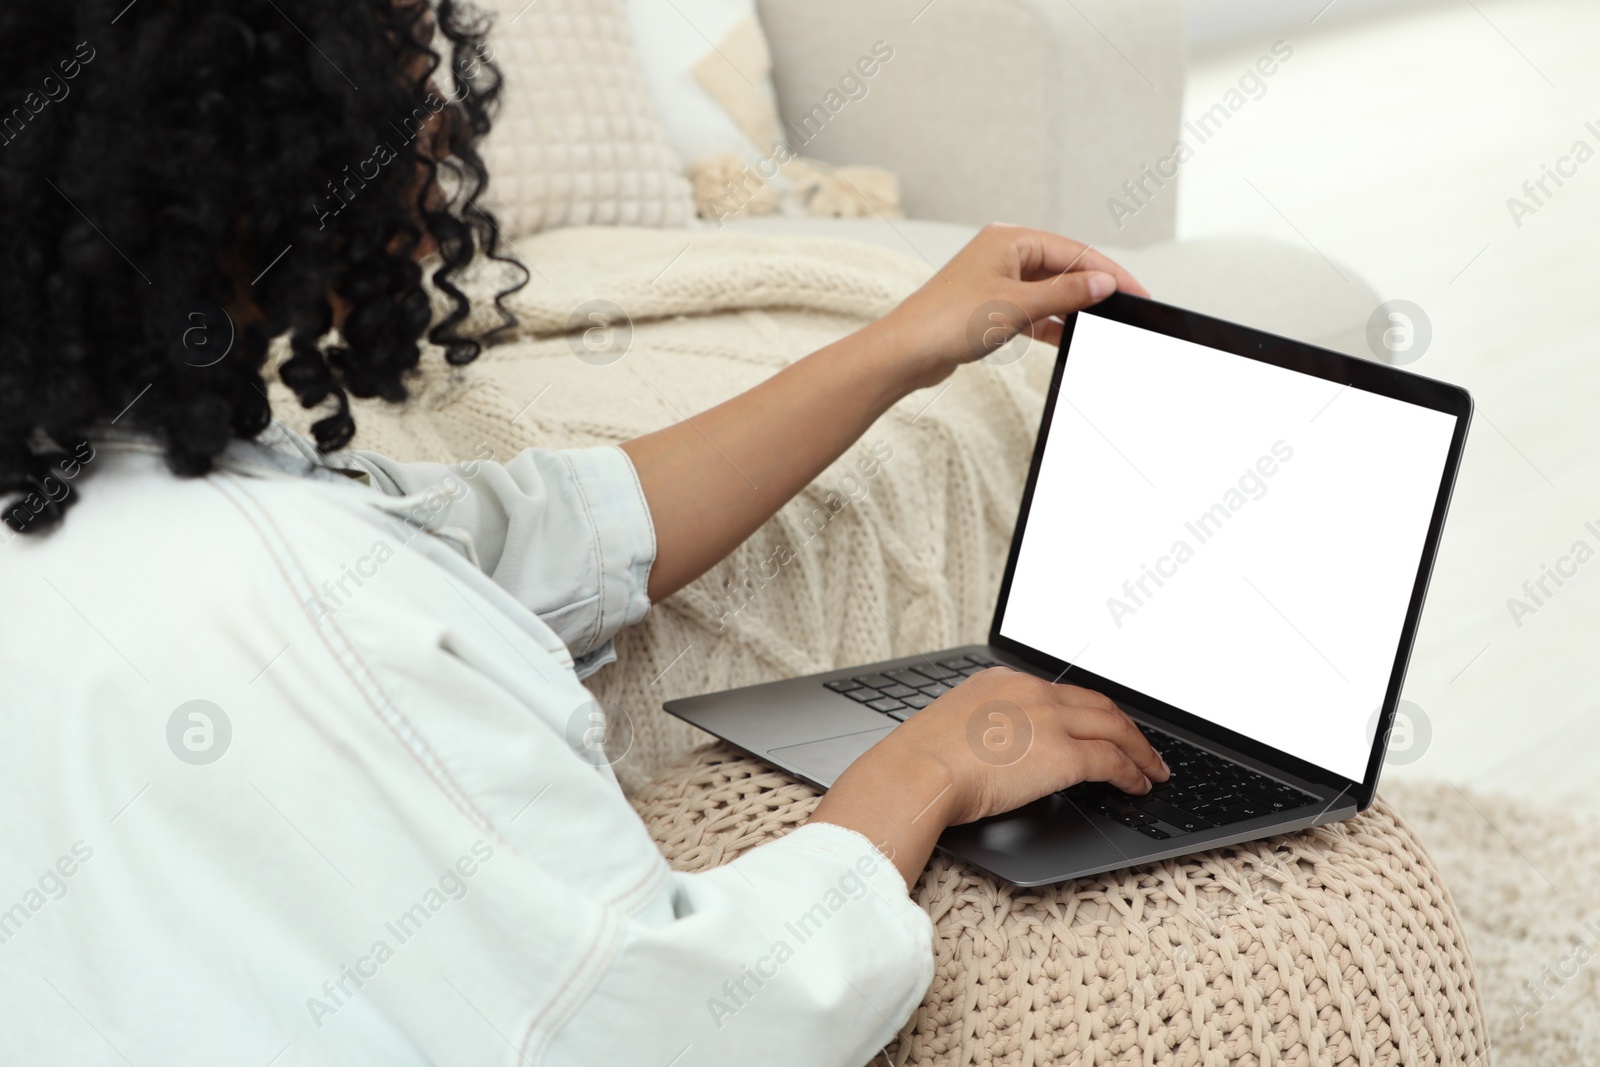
(1007, 280)
(1046, 331)
(1104, 761)
(1007, 737)
(1040, 302)
(1114, 726)
(1060, 276)
(1078, 696)
(1085, 715)
(1048, 256)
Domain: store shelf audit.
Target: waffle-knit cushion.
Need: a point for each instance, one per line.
(1336, 946)
(579, 139)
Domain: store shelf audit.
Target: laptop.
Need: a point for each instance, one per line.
(1228, 533)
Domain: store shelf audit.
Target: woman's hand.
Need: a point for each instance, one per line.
(1007, 280)
(997, 741)
(1007, 738)
(711, 481)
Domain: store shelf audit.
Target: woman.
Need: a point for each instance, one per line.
(287, 749)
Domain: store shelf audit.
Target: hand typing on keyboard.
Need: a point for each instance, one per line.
(996, 741)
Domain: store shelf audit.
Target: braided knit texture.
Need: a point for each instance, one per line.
(1337, 946)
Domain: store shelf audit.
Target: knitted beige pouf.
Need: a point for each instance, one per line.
(1336, 946)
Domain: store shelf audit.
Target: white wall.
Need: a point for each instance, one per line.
(1219, 23)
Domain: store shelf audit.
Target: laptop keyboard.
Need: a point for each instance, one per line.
(1204, 792)
(902, 693)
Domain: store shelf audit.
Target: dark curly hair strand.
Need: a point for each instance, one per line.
(277, 156)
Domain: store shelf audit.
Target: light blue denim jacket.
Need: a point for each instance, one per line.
(283, 774)
(566, 533)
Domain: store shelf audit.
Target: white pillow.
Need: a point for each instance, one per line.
(579, 139)
(708, 65)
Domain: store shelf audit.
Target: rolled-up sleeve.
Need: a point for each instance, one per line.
(806, 950)
(567, 533)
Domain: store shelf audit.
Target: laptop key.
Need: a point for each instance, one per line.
(1172, 816)
(863, 695)
(956, 665)
(908, 677)
(1288, 798)
(903, 714)
(1208, 790)
(899, 691)
(1153, 831)
(886, 705)
(917, 700)
(1209, 810)
(843, 685)
(1134, 819)
(937, 674)
(874, 681)
(936, 690)
(1240, 812)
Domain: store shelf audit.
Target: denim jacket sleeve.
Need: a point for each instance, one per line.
(567, 533)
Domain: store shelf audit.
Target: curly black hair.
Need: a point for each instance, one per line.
(275, 158)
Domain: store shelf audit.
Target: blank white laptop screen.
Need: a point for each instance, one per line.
(1235, 539)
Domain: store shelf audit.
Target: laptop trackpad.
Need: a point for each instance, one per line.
(824, 761)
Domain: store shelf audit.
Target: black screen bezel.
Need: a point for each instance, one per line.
(1297, 356)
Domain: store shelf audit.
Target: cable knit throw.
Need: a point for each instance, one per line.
(1336, 946)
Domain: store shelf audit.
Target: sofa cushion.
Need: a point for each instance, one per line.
(579, 139)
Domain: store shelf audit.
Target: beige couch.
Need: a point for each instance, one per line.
(1036, 112)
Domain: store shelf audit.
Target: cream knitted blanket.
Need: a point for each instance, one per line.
(896, 548)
